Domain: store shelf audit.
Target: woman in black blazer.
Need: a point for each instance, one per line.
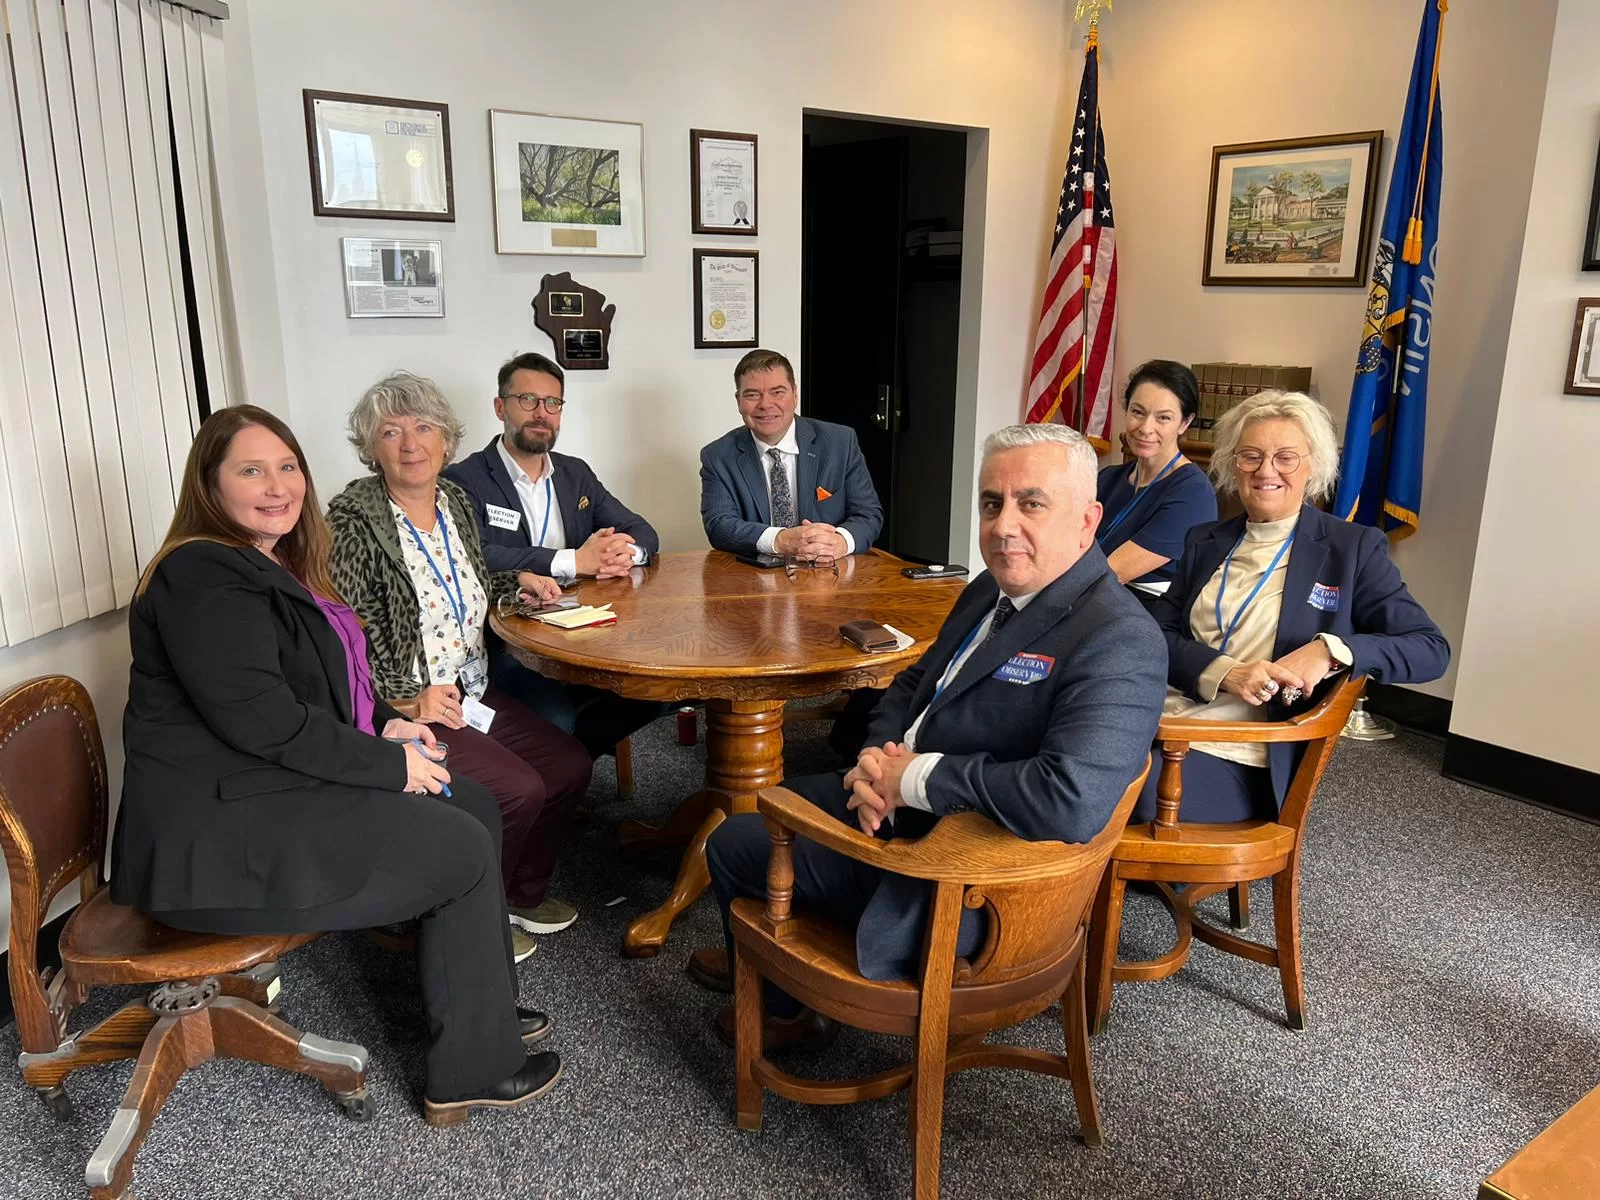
(1267, 605)
(256, 796)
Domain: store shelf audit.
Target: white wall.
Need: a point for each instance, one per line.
(1180, 78)
(755, 67)
(1532, 654)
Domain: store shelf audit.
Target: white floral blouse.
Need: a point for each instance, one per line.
(455, 650)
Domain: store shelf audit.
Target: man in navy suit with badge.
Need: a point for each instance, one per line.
(783, 485)
(1036, 705)
(549, 513)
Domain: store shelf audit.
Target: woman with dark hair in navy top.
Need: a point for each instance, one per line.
(1152, 503)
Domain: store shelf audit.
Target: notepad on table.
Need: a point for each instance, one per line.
(580, 617)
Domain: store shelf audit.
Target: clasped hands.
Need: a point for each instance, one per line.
(424, 773)
(606, 554)
(810, 540)
(874, 784)
(1294, 675)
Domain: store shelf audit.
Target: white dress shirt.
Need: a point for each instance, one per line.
(789, 449)
(914, 783)
(542, 511)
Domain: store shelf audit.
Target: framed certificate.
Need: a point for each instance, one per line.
(375, 156)
(1583, 364)
(392, 277)
(567, 185)
(722, 174)
(726, 299)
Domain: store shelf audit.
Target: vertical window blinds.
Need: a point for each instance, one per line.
(115, 332)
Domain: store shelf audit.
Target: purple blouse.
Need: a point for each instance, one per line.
(348, 627)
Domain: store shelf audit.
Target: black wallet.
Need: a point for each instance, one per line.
(868, 636)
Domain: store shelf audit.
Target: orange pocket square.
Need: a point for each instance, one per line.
(824, 494)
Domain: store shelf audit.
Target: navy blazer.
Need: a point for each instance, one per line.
(1341, 581)
(581, 498)
(736, 508)
(1047, 760)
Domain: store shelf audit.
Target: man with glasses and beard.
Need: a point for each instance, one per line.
(549, 513)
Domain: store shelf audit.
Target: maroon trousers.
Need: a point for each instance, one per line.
(537, 774)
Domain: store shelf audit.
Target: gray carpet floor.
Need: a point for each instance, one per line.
(1453, 963)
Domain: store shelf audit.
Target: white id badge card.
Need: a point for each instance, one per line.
(476, 714)
(474, 678)
(502, 518)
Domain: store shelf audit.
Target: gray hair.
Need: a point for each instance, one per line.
(1083, 464)
(1298, 407)
(402, 395)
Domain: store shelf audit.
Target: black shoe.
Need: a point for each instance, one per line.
(538, 1075)
(807, 1033)
(533, 1026)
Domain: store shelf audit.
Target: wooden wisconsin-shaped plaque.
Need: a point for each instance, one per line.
(578, 320)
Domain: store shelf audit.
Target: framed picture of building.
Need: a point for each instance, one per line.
(1294, 213)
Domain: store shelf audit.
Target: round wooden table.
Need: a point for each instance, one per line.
(704, 626)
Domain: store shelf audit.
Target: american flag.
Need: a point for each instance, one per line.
(1071, 378)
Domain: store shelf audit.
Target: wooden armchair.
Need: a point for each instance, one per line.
(1036, 896)
(211, 990)
(1210, 858)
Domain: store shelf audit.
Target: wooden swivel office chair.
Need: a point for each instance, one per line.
(1209, 858)
(210, 990)
(1036, 896)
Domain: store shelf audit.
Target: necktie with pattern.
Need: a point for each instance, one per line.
(1003, 612)
(783, 515)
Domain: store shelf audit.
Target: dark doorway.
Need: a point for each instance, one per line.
(880, 309)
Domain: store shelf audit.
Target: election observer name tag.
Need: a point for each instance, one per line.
(502, 518)
(1025, 668)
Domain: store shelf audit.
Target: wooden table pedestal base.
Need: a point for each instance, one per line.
(744, 753)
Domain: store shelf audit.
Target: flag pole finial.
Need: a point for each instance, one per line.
(1091, 9)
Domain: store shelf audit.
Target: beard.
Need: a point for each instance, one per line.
(531, 440)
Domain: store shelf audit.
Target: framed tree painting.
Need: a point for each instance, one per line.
(566, 185)
(1295, 213)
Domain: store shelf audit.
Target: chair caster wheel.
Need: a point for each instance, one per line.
(358, 1105)
(57, 1101)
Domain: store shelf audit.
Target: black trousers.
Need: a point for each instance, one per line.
(437, 859)
(1214, 789)
(826, 882)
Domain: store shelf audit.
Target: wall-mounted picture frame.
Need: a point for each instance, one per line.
(1292, 213)
(722, 181)
(1583, 363)
(392, 277)
(727, 299)
(1591, 241)
(567, 185)
(378, 156)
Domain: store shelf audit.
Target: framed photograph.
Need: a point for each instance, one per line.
(375, 156)
(566, 185)
(1294, 213)
(1591, 241)
(1583, 364)
(392, 277)
(722, 176)
(726, 299)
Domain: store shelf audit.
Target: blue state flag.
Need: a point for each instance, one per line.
(1380, 470)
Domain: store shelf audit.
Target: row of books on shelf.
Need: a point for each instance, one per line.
(1225, 384)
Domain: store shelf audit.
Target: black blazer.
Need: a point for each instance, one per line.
(246, 785)
(581, 498)
(1339, 580)
(1047, 760)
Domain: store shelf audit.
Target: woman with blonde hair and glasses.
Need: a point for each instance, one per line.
(1267, 605)
(268, 790)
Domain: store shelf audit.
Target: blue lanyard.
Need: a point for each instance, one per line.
(1139, 493)
(457, 601)
(549, 503)
(1227, 631)
(951, 671)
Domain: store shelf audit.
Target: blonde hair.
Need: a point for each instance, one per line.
(402, 395)
(1298, 407)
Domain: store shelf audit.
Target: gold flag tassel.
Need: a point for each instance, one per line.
(1412, 250)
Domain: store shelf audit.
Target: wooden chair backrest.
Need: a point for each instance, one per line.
(1318, 726)
(1033, 923)
(52, 815)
